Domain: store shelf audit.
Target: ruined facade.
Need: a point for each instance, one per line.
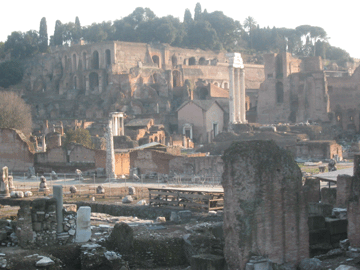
(294, 90)
(16, 151)
(135, 78)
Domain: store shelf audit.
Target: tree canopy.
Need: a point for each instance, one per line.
(79, 135)
(204, 30)
(14, 112)
(11, 73)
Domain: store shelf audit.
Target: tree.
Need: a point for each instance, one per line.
(250, 24)
(22, 45)
(197, 12)
(58, 33)
(201, 35)
(187, 17)
(11, 73)
(15, 113)
(80, 135)
(43, 36)
(77, 31)
(2, 50)
(95, 33)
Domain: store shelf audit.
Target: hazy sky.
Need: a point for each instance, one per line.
(339, 19)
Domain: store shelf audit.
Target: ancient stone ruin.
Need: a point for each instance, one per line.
(264, 212)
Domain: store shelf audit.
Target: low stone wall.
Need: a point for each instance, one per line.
(143, 212)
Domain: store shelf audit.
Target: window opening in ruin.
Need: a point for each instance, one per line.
(156, 60)
(174, 60)
(94, 81)
(95, 60)
(84, 60)
(108, 58)
(215, 129)
(192, 61)
(156, 139)
(338, 117)
(226, 85)
(279, 92)
(202, 61)
(74, 62)
(216, 83)
(187, 133)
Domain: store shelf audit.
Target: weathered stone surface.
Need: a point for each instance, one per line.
(100, 190)
(121, 238)
(132, 191)
(346, 267)
(45, 261)
(127, 199)
(83, 229)
(310, 264)
(207, 261)
(264, 211)
(73, 189)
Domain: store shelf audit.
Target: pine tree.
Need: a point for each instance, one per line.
(43, 36)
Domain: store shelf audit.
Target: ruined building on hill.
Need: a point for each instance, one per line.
(90, 80)
(298, 90)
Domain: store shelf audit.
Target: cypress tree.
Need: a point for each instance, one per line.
(58, 33)
(43, 36)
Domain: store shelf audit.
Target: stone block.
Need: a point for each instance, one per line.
(70, 207)
(83, 228)
(336, 226)
(184, 215)
(316, 222)
(320, 209)
(207, 262)
(319, 236)
(37, 226)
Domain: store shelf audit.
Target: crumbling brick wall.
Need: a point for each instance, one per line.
(264, 208)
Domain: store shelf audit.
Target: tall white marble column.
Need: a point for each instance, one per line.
(242, 97)
(110, 155)
(237, 108)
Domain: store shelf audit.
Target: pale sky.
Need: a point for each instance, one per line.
(339, 19)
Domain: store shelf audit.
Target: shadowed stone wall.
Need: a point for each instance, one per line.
(265, 212)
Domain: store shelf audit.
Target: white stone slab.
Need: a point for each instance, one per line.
(83, 228)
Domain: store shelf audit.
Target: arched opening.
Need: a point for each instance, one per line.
(108, 58)
(192, 61)
(95, 60)
(156, 60)
(65, 62)
(84, 60)
(226, 85)
(279, 92)
(94, 81)
(156, 139)
(216, 83)
(176, 78)
(203, 93)
(202, 61)
(174, 60)
(74, 62)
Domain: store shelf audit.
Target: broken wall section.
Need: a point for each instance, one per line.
(265, 211)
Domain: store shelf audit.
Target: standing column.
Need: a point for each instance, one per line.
(231, 96)
(122, 126)
(242, 96)
(237, 96)
(110, 155)
(58, 195)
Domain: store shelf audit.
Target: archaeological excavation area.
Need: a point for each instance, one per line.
(265, 215)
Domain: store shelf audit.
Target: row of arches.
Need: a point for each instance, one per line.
(84, 63)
